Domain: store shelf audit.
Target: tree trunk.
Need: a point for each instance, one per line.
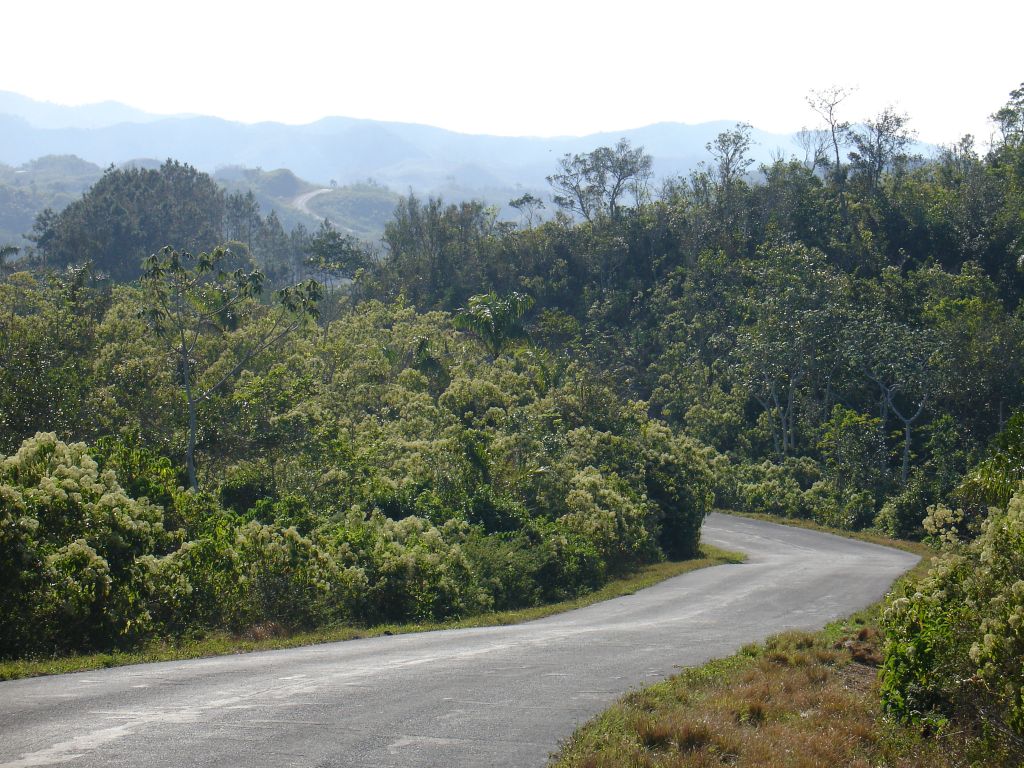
(190, 450)
(906, 454)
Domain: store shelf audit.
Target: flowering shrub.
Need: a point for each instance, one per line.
(955, 641)
(412, 569)
(602, 511)
(393, 474)
(70, 538)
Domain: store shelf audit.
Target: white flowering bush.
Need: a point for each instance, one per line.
(602, 510)
(955, 641)
(70, 538)
(412, 569)
(288, 579)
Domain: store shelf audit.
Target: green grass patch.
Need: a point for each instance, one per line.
(262, 638)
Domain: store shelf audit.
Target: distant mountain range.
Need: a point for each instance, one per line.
(347, 170)
(402, 156)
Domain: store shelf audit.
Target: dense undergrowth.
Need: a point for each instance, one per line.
(383, 471)
(270, 635)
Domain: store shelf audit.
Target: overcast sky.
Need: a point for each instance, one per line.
(522, 68)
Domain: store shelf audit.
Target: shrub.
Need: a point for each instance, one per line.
(413, 570)
(903, 514)
(602, 510)
(69, 541)
(852, 510)
(769, 488)
(954, 642)
(679, 482)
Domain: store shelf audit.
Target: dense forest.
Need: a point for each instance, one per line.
(210, 422)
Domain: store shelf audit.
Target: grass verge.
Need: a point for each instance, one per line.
(800, 699)
(264, 637)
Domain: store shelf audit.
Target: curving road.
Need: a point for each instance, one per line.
(494, 696)
(301, 202)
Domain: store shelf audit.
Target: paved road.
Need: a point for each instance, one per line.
(495, 696)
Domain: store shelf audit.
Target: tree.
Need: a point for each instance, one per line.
(191, 298)
(1010, 117)
(725, 177)
(729, 161)
(880, 146)
(335, 255)
(826, 103)
(242, 220)
(895, 352)
(814, 142)
(794, 304)
(48, 327)
(592, 185)
(7, 252)
(495, 320)
(853, 447)
(130, 213)
(529, 207)
(273, 252)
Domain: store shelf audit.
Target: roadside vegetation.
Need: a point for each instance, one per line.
(800, 699)
(269, 636)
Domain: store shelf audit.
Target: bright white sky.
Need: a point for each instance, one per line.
(527, 67)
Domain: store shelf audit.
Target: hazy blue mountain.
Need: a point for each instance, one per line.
(43, 114)
(346, 150)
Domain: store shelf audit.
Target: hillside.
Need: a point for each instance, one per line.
(54, 181)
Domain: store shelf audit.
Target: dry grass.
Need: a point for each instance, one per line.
(801, 700)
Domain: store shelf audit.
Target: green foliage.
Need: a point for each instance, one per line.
(191, 298)
(902, 515)
(48, 326)
(997, 478)
(853, 447)
(495, 320)
(72, 541)
(385, 469)
(131, 213)
(770, 488)
(335, 254)
(592, 185)
(954, 641)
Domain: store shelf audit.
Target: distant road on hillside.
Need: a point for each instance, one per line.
(302, 203)
(494, 696)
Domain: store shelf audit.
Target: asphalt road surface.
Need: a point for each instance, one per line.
(493, 696)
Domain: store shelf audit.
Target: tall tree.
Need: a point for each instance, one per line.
(594, 184)
(880, 145)
(794, 303)
(191, 298)
(130, 213)
(895, 352)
